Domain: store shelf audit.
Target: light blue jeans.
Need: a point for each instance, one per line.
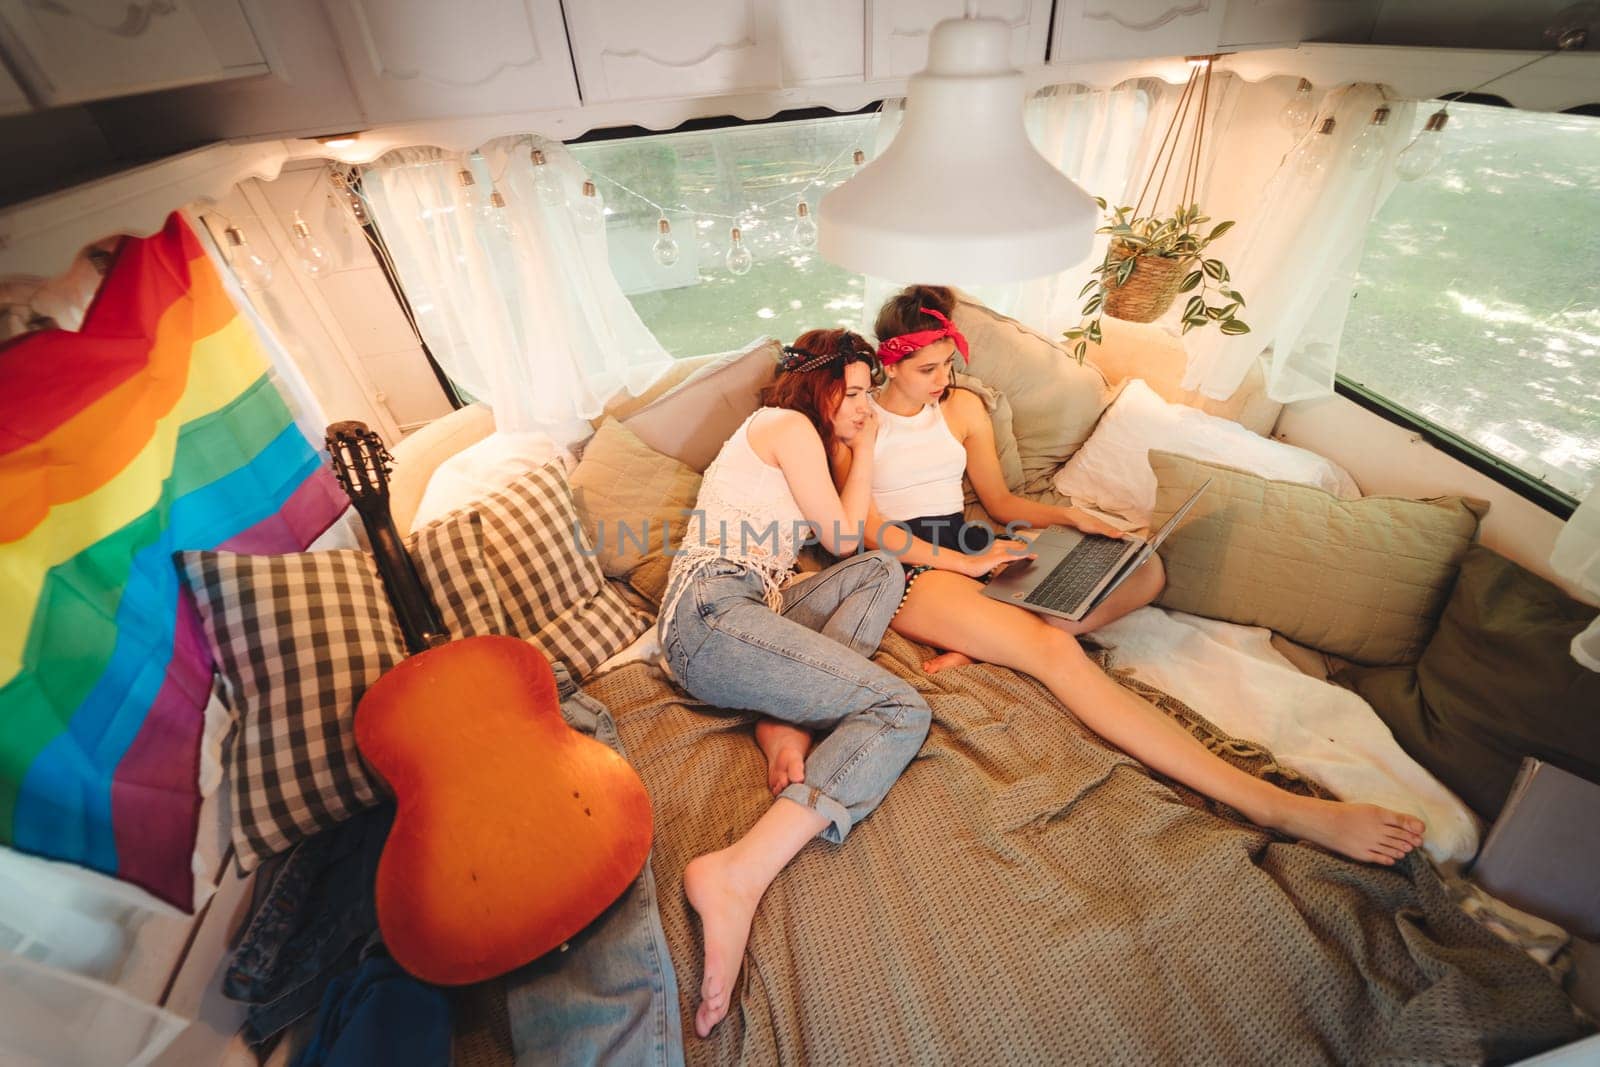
(807, 666)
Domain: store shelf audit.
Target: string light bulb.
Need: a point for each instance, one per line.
(1314, 153)
(546, 180)
(805, 227)
(314, 259)
(253, 272)
(1369, 147)
(1298, 112)
(1425, 149)
(589, 209)
(502, 216)
(739, 260)
(665, 248)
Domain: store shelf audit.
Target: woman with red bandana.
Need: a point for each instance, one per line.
(930, 435)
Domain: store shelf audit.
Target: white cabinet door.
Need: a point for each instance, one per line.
(897, 42)
(822, 40)
(69, 51)
(415, 59)
(1285, 23)
(649, 49)
(1090, 30)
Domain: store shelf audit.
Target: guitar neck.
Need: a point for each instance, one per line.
(419, 619)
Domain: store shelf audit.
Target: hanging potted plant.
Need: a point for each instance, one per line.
(1149, 262)
(1153, 257)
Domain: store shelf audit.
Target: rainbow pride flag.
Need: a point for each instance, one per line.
(155, 427)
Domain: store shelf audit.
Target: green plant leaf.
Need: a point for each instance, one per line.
(1195, 306)
(1213, 268)
(1125, 270)
(1101, 201)
(1072, 334)
(1233, 294)
(1233, 327)
(1094, 330)
(1094, 304)
(1079, 349)
(1218, 230)
(1092, 283)
(1214, 314)
(1190, 280)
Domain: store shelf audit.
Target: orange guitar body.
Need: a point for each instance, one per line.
(512, 831)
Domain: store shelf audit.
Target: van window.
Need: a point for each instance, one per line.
(1475, 304)
(705, 183)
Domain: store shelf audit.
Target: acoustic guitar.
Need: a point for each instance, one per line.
(512, 831)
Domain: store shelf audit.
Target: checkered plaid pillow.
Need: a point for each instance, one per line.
(297, 640)
(547, 576)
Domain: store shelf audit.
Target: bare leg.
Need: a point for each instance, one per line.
(785, 747)
(1141, 588)
(949, 611)
(946, 660)
(724, 888)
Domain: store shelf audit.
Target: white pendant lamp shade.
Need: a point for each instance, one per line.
(960, 196)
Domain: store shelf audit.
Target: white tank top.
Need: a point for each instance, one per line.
(917, 465)
(746, 513)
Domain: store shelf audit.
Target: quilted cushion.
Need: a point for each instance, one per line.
(547, 577)
(1496, 683)
(1363, 579)
(1055, 401)
(630, 498)
(297, 639)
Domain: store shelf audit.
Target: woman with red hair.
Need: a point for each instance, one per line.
(737, 633)
(932, 436)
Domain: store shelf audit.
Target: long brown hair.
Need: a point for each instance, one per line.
(816, 394)
(902, 313)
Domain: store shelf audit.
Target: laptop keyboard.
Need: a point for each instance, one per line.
(1065, 587)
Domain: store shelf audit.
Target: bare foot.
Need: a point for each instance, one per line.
(785, 747)
(946, 660)
(1362, 832)
(726, 910)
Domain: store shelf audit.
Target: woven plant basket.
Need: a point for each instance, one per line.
(1149, 290)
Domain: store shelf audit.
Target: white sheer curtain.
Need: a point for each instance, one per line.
(518, 304)
(1297, 260)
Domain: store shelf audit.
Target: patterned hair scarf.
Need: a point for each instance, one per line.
(895, 349)
(851, 348)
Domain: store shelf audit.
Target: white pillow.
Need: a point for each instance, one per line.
(1112, 469)
(482, 468)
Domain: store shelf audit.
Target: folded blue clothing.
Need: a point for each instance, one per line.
(611, 996)
(380, 1014)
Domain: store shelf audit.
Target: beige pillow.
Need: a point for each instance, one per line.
(1055, 401)
(629, 496)
(1364, 579)
(690, 423)
(1005, 438)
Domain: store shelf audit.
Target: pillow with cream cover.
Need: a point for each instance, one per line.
(1363, 579)
(1112, 469)
(482, 468)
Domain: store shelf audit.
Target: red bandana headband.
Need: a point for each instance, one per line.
(897, 348)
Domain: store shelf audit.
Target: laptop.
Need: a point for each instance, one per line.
(1075, 571)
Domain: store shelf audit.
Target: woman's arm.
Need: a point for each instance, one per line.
(970, 421)
(837, 514)
(913, 551)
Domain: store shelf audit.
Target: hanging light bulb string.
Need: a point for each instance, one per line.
(684, 209)
(1568, 41)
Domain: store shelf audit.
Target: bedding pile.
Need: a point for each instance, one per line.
(1028, 894)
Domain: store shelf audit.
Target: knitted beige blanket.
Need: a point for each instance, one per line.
(1027, 894)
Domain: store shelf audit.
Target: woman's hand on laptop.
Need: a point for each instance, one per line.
(997, 555)
(1090, 525)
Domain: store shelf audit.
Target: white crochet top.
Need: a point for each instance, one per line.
(745, 513)
(917, 465)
